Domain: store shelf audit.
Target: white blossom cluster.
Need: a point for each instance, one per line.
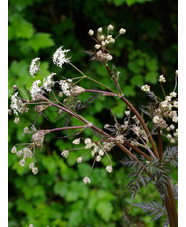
(59, 57)
(65, 86)
(34, 67)
(161, 79)
(35, 90)
(103, 41)
(17, 104)
(65, 153)
(97, 152)
(27, 153)
(145, 88)
(48, 83)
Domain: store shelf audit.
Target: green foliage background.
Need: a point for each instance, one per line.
(56, 196)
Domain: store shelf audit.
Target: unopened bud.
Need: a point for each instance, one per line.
(14, 87)
(75, 91)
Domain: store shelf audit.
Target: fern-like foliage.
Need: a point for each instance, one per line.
(139, 177)
(153, 208)
(171, 156)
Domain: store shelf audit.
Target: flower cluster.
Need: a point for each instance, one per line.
(27, 153)
(36, 91)
(17, 104)
(34, 67)
(59, 57)
(48, 83)
(103, 41)
(65, 86)
(166, 111)
(97, 152)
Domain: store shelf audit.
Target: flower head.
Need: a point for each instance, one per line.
(145, 88)
(59, 57)
(35, 170)
(16, 103)
(86, 180)
(34, 67)
(109, 169)
(122, 31)
(91, 32)
(162, 79)
(48, 83)
(65, 153)
(35, 90)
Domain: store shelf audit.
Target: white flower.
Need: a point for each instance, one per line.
(88, 140)
(86, 180)
(172, 127)
(34, 67)
(101, 152)
(156, 119)
(176, 72)
(98, 158)
(110, 27)
(79, 160)
(16, 120)
(48, 83)
(162, 79)
(175, 119)
(122, 31)
(91, 32)
(35, 90)
(145, 88)
(19, 153)
(127, 113)
(109, 57)
(65, 153)
(97, 46)
(31, 166)
(22, 162)
(112, 40)
(175, 104)
(102, 37)
(16, 103)
(100, 30)
(31, 225)
(103, 43)
(13, 150)
(173, 94)
(172, 141)
(109, 169)
(35, 170)
(26, 129)
(169, 136)
(168, 98)
(88, 143)
(76, 141)
(164, 104)
(59, 57)
(65, 86)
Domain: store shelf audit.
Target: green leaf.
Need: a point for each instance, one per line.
(151, 77)
(137, 80)
(104, 195)
(41, 40)
(129, 91)
(152, 64)
(134, 67)
(61, 188)
(75, 218)
(21, 4)
(104, 209)
(21, 27)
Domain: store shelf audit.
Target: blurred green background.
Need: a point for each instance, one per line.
(56, 196)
